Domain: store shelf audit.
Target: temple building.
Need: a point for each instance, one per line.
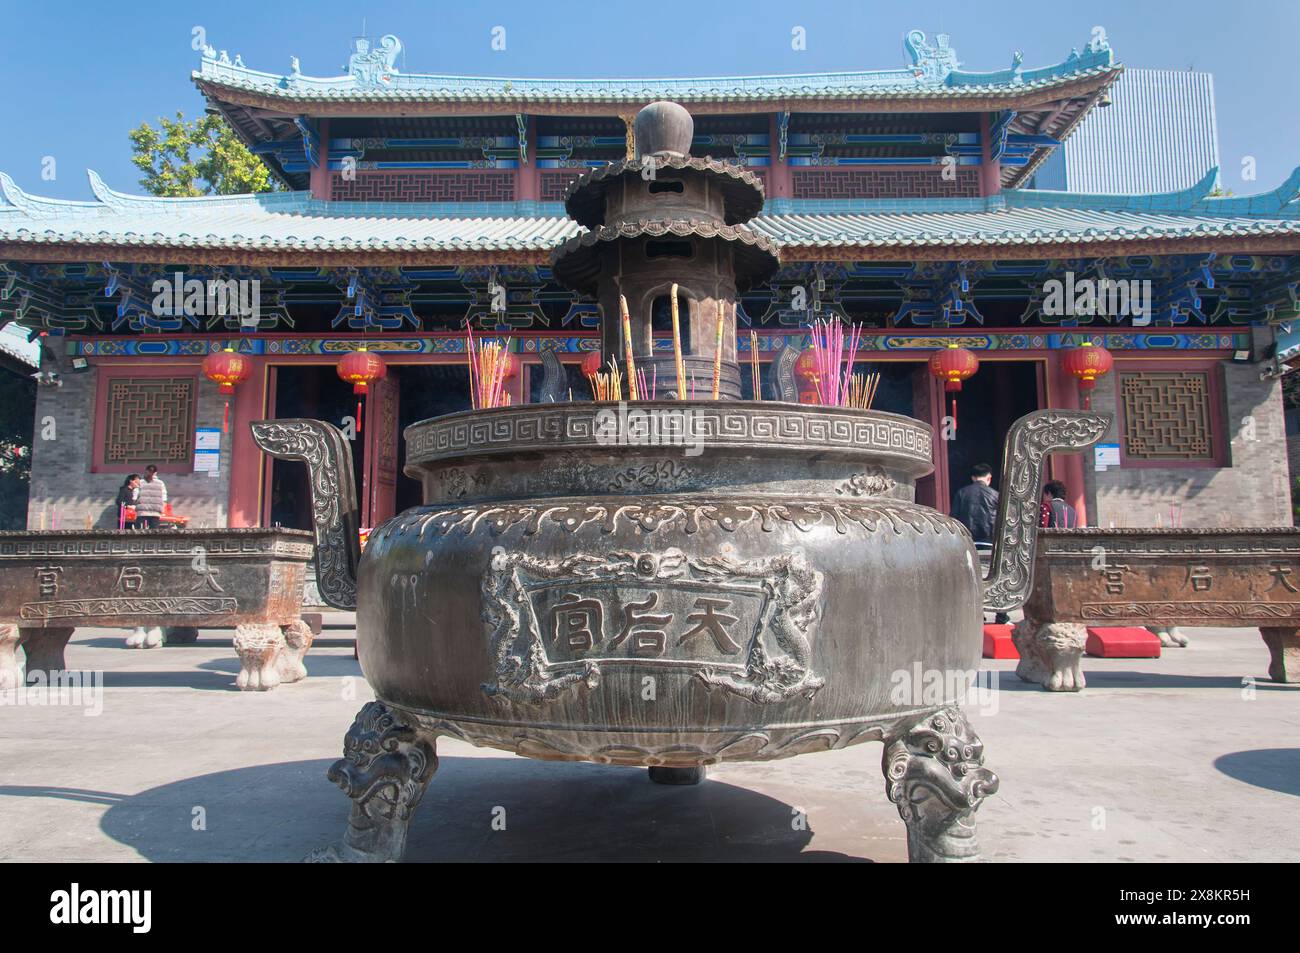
(418, 204)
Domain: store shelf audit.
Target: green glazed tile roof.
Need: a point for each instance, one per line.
(934, 73)
(294, 221)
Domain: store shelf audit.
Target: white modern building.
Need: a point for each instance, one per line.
(1158, 135)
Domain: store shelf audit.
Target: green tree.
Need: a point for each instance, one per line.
(196, 157)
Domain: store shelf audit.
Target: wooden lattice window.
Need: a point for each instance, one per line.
(150, 420)
(1168, 416)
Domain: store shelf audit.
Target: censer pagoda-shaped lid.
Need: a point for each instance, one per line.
(663, 132)
(664, 192)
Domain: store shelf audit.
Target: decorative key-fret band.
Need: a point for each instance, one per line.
(755, 425)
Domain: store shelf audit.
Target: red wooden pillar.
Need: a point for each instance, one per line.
(379, 475)
(528, 178)
(780, 181)
(1063, 394)
(320, 175)
(246, 458)
(990, 168)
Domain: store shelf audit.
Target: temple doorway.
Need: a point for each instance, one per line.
(427, 390)
(988, 404)
(314, 391)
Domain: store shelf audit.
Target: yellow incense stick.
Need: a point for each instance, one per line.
(717, 355)
(677, 347)
(627, 345)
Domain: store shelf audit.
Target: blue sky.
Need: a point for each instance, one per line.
(76, 77)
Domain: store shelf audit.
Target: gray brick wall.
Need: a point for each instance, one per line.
(1252, 491)
(61, 476)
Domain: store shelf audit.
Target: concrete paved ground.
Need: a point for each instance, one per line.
(1166, 759)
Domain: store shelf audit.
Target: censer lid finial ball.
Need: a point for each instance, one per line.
(663, 128)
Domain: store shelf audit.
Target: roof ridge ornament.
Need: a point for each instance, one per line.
(12, 194)
(931, 63)
(374, 67)
(101, 191)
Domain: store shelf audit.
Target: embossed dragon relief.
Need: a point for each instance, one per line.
(873, 481)
(458, 482)
(740, 626)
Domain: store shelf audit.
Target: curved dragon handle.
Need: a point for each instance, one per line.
(1015, 537)
(328, 456)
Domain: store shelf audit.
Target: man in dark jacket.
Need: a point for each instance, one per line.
(975, 505)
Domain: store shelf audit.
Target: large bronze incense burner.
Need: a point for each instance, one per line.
(668, 583)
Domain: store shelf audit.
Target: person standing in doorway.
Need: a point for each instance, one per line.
(152, 499)
(1056, 513)
(975, 506)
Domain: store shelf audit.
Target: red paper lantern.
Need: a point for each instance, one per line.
(1087, 362)
(361, 368)
(226, 369)
(952, 365)
(591, 364)
(511, 369)
(806, 377)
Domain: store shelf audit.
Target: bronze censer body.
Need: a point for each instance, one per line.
(667, 583)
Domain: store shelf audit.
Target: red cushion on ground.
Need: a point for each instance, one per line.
(1124, 642)
(997, 642)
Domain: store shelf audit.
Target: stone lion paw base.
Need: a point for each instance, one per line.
(143, 638)
(1050, 654)
(270, 655)
(933, 765)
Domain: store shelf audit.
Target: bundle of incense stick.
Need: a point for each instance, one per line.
(627, 347)
(754, 372)
(677, 347)
(717, 355)
(608, 386)
(862, 390)
(647, 393)
(488, 363)
(833, 383)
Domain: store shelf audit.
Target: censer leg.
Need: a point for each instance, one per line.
(934, 771)
(662, 775)
(385, 768)
(11, 672)
(45, 652)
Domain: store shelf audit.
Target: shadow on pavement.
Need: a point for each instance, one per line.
(551, 811)
(1277, 769)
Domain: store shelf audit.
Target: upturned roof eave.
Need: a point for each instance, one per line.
(931, 249)
(903, 99)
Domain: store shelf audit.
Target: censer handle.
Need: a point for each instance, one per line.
(1015, 538)
(328, 456)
